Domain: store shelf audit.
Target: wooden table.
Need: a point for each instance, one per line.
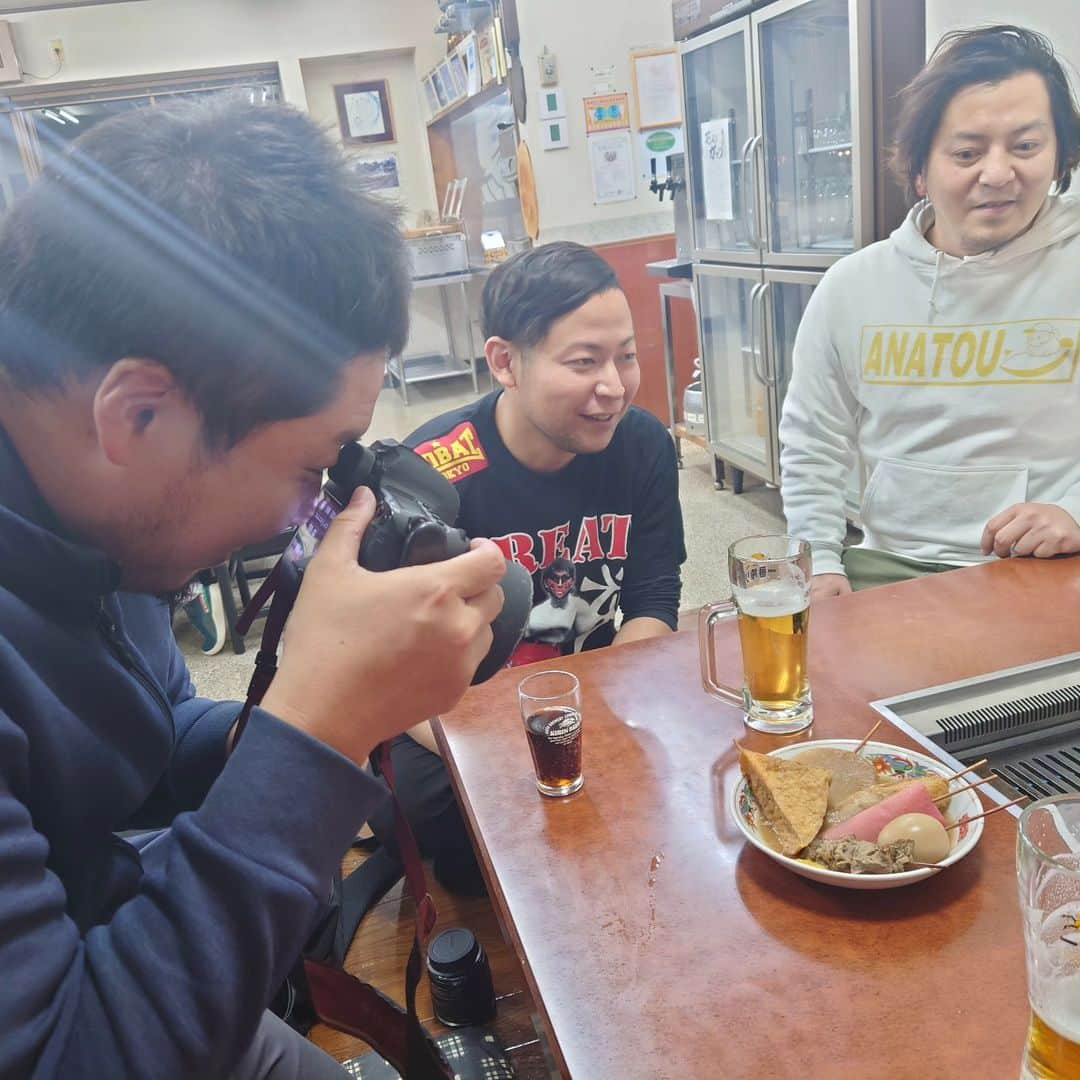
(658, 944)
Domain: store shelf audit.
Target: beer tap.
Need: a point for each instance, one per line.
(656, 186)
(672, 185)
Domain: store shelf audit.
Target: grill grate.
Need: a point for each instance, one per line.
(1053, 772)
(1009, 716)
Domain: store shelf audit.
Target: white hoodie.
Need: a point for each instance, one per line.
(955, 379)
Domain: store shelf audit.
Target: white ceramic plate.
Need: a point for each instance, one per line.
(889, 762)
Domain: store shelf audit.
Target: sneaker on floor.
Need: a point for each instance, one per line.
(208, 617)
(217, 613)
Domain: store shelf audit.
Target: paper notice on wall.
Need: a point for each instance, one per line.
(611, 159)
(716, 169)
(659, 92)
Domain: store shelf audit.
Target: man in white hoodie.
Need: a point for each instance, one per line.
(944, 359)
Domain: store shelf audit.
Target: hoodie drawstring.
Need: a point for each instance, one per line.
(934, 286)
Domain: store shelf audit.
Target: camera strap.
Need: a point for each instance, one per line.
(341, 1000)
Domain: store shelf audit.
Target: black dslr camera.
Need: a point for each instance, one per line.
(414, 519)
(414, 504)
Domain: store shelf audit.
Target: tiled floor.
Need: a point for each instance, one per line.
(713, 519)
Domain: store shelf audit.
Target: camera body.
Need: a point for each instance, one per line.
(415, 511)
(413, 505)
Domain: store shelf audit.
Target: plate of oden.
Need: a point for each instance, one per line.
(855, 819)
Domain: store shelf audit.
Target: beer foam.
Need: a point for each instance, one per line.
(772, 599)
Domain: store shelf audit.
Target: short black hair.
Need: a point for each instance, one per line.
(984, 55)
(227, 241)
(529, 292)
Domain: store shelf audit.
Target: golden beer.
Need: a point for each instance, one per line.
(774, 657)
(1050, 1054)
(774, 627)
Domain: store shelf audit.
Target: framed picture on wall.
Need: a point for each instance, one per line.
(452, 72)
(431, 96)
(364, 112)
(379, 171)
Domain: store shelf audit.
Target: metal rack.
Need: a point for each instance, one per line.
(429, 367)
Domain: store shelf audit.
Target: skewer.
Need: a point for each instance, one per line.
(966, 787)
(866, 737)
(977, 765)
(986, 813)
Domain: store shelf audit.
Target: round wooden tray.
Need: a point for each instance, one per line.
(530, 209)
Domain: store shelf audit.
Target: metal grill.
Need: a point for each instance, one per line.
(1025, 721)
(1010, 716)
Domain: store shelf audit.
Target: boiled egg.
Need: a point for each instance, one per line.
(932, 842)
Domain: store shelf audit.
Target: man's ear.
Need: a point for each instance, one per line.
(920, 186)
(130, 400)
(504, 361)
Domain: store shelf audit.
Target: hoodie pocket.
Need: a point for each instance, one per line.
(937, 512)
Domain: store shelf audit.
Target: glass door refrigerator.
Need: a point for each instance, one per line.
(786, 115)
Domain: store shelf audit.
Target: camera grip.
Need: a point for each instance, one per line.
(432, 542)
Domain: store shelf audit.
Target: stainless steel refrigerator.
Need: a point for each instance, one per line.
(788, 110)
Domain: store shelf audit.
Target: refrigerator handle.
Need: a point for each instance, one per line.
(758, 294)
(753, 333)
(749, 189)
(756, 237)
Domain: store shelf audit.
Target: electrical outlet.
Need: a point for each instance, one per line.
(57, 47)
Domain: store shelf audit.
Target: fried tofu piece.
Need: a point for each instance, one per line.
(792, 797)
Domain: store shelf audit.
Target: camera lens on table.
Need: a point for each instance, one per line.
(461, 987)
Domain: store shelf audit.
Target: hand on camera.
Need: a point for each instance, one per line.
(1038, 529)
(368, 655)
(823, 586)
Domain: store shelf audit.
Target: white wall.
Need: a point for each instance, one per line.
(417, 192)
(583, 33)
(1059, 20)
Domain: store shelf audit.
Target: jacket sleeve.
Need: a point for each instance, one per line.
(202, 726)
(176, 980)
(818, 437)
(653, 580)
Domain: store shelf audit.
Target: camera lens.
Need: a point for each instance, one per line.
(461, 988)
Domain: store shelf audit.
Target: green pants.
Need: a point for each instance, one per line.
(866, 568)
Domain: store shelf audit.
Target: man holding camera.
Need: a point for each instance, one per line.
(195, 308)
(567, 478)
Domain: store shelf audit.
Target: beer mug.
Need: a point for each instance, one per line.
(770, 586)
(1048, 875)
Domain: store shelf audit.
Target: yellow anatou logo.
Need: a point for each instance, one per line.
(1014, 353)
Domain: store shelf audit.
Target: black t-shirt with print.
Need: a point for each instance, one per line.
(601, 535)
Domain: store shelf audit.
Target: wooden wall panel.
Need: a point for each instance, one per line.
(628, 259)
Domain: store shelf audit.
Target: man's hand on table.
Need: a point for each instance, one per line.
(822, 586)
(1038, 529)
(368, 655)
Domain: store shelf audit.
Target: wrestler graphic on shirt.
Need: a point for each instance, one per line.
(563, 616)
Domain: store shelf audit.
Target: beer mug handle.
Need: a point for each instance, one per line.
(708, 617)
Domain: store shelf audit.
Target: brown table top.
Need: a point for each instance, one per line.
(659, 944)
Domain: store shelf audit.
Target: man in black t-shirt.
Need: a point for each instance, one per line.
(567, 478)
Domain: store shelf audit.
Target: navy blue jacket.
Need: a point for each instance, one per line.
(117, 961)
